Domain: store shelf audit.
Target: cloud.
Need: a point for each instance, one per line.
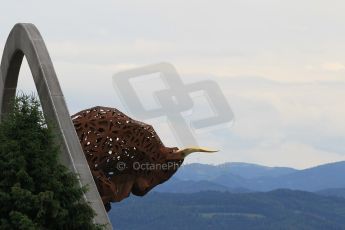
(281, 67)
(333, 66)
(271, 117)
(290, 153)
(276, 122)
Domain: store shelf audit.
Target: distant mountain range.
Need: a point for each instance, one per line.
(244, 177)
(245, 170)
(335, 192)
(239, 196)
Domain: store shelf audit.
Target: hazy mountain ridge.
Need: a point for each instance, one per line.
(198, 171)
(336, 192)
(187, 186)
(252, 177)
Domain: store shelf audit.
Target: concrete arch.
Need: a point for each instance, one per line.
(25, 39)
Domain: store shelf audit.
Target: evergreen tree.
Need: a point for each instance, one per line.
(36, 191)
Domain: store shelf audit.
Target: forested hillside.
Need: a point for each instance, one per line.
(279, 209)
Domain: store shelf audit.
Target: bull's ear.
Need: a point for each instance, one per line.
(181, 154)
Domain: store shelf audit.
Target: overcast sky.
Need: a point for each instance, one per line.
(280, 64)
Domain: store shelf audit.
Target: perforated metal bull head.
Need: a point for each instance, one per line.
(125, 155)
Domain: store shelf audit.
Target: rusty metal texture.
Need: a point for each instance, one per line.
(111, 139)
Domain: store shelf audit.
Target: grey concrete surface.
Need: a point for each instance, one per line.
(25, 39)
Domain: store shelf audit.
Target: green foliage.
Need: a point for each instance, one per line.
(36, 191)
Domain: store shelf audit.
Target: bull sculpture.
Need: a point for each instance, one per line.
(117, 147)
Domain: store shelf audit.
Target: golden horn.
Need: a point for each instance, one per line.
(185, 152)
